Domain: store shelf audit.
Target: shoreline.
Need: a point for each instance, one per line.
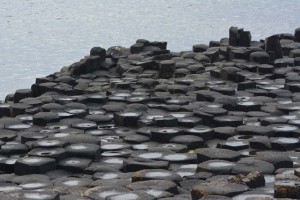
(219, 121)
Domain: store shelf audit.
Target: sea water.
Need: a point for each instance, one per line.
(39, 37)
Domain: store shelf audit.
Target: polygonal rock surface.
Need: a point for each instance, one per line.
(34, 165)
(43, 118)
(145, 122)
(215, 188)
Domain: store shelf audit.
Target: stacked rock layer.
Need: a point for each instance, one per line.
(218, 122)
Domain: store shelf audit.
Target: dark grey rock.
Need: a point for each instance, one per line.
(102, 192)
(5, 110)
(136, 164)
(22, 94)
(84, 150)
(297, 35)
(43, 118)
(19, 109)
(13, 148)
(287, 186)
(127, 118)
(278, 159)
(248, 165)
(215, 197)
(166, 69)
(73, 164)
(200, 48)
(272, 44)
(155, 174)
(42, 195)
(245, 39)
(191, 141)
(136, 195)
(205, 154)
(72, 197)
(260, 57)
(233, 36)
(34, 165)
(217, 188)
(98, 51)
(56, 153)
(216, 166)
(283, 143)
(164, 134)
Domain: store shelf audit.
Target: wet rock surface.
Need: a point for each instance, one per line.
(220, 121)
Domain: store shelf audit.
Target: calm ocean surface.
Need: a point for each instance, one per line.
(39, 37)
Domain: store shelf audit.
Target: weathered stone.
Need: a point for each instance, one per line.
(42, 195)
(132, 195)
(163, 185)
(13, 148)
(284, 144)
(137, 48)
(136, 164)
(84, 125)
(98, 51)
(5, 110)
(127, 118)
(84, 150)
(216, 166)
(164, 134)
(212, 123)
(205, 132)
(166, 69)
(74, 164)
(191, 141)
(201, 58)
(233, 36)
(102, 192)
(34, 165)
(248, 165)
(272, 44)
(205, 154)
(217, 188)
(56, 153)
(22, 94)
(278, 159)
(245, 38)
(297, 35)
(294, 53)
(43, 118)
(260, 57)
(228, 73)
(252, 180)
(19, 109)
(200, 48)
(254, 130)
(155, 174)
(287, 186)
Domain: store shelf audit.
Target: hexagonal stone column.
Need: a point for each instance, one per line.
(34, 165)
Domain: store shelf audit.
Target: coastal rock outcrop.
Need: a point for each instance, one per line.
(219, 121)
